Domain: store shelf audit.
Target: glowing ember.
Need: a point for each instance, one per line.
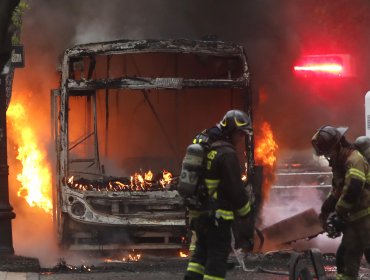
(244, 178)
(131, 257)
(265, 155)
(183, 254)
(70, 180)
(36, 174)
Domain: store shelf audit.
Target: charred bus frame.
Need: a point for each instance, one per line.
(73, 212)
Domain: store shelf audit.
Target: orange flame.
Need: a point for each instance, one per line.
(148, 176)
(137, 180)
(265, 150)
(183, 254)
(35, 177)
(265, 155)
(167, 178)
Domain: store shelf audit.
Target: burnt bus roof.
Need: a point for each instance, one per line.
(185, 46)
(217, 48)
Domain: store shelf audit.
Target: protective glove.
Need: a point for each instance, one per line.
(334, 226)
(243, 230)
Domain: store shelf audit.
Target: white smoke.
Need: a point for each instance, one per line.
(289, 202)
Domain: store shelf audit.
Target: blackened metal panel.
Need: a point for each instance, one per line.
(142, 46)
(152, 83)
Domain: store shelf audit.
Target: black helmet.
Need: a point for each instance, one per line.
(235, 120)
(326, 138)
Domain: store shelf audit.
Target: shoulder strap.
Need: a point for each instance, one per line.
(202, 138)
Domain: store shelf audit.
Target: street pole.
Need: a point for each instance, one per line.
(6, 210)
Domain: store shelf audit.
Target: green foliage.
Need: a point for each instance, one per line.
(17, 20)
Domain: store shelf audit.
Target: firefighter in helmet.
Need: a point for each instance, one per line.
(347, 208)
(226, 197)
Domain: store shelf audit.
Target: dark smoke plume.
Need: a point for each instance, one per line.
(274, 34)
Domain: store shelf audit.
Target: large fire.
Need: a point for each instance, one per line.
(265, 155)
(35, 177)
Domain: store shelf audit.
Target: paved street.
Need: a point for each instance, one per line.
(150, 268)
(167, 268)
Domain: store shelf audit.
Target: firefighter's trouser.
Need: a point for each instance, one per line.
(212, 248)
(192, 241)
(355, 242)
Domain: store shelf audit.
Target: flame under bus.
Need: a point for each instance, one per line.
(123, 116)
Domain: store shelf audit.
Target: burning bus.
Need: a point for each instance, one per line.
(122, 119)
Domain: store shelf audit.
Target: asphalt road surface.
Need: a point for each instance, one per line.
(146, 269)
(174, 269)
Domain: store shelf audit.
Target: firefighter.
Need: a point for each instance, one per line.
(348, 200)
(226, 198)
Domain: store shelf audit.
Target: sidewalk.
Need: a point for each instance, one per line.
(4, 275)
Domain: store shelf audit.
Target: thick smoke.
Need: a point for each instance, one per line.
(285, 204)
(274, 34)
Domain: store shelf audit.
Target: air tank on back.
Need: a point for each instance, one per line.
(362, 144)
(192, 168)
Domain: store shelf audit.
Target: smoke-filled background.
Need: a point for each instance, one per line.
(274, 33)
